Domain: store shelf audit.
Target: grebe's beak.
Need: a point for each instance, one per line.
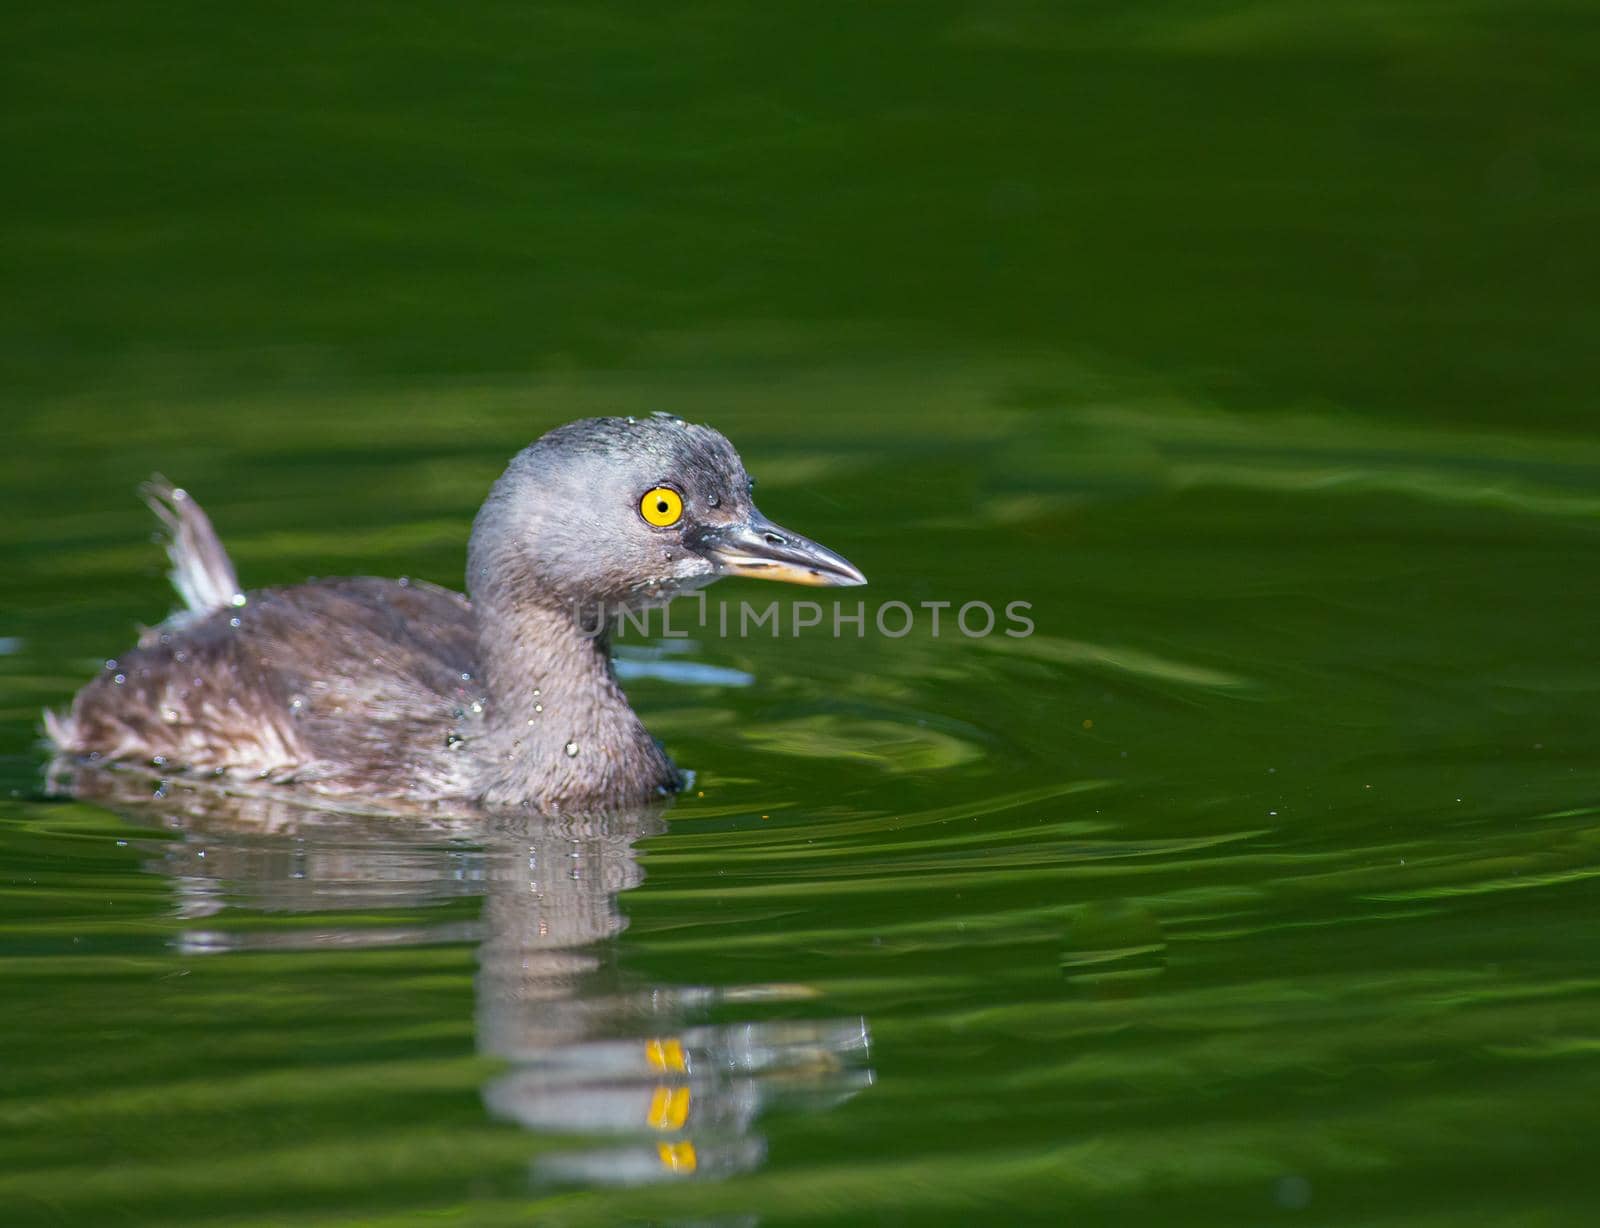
(761, 550)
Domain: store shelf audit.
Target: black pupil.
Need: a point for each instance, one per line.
(661, 505)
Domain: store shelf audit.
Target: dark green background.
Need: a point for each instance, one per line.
(1255, 345)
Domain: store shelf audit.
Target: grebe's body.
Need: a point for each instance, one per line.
(388, 689)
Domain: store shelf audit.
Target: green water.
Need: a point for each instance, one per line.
(1254, 346)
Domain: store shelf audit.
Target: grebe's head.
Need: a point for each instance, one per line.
(628, 512)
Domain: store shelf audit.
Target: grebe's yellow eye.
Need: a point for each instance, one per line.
(661, 506)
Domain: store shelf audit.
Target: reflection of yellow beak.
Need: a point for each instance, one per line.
(763, 551)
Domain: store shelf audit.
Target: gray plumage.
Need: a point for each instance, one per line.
(384, 689)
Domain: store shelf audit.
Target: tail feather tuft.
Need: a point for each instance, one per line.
(61, 731)
(201, 570)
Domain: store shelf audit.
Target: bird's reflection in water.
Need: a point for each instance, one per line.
(592, 1053)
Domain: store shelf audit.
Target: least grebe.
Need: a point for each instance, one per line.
(374, 689)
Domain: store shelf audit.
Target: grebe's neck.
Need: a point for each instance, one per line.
(559, 734)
